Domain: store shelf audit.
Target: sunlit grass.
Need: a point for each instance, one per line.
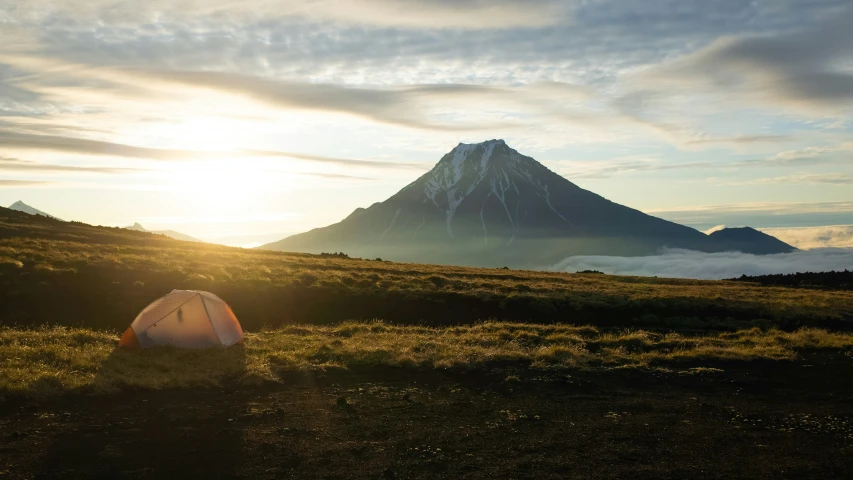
(51, 361)
(115, 272)
(213, 266)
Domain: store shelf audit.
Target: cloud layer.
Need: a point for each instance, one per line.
(814, 237)
(711, 266)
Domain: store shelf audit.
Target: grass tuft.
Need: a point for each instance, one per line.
(56, 360)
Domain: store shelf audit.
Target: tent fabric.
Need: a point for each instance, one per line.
(184, 319)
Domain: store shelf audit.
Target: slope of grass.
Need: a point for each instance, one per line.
(57, 360)
(75, 274)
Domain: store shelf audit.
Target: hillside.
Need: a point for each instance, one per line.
(169, 233)
(23, 207)
(488, 205)
(74, 274)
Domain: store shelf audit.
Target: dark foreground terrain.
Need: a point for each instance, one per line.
(794, 420)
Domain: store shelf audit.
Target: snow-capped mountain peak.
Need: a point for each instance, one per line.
(466, 166)
(487, 204)
(494, 170)
(458, 173)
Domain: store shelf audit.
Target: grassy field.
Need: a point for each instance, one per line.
(59, 360)
(370, 400)
(56, 273)
(470, 373)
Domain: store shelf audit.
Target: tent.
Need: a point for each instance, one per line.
(184, 319)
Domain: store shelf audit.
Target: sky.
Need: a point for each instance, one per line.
(245, 122)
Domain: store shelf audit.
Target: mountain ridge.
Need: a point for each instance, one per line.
(485, 204)
(23, 207)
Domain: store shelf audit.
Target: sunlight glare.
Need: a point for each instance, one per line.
(224, 186)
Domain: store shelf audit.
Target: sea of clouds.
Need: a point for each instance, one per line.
(677, 263)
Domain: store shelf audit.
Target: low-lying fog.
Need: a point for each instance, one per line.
(712, 266)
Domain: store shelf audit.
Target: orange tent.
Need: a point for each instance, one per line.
(184, 319)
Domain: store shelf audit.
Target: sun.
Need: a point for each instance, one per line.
(221, 186)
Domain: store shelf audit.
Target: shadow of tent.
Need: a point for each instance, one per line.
(152, 417)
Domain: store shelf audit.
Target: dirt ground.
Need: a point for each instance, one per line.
(785, 420)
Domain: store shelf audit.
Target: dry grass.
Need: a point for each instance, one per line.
(215, 268)
(58, 360)
(223, 265)
(113, 273)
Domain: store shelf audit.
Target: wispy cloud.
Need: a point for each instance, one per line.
(419, 106)
(22, 183)
(334, 176)
(344, 162)
(812, 155)
(705, 139)
(814, 178)
(457, 14)
(17, 140)
(715, 228)
(806, 70)
(841, 154)
(761, 214)
(765, 207)
(17, 165)
(609, 169)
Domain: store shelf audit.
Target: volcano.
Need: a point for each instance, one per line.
(486, 204)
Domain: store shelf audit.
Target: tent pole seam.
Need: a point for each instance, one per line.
(210, 319)
(176, 308)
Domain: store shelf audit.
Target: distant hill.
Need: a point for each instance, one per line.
(749, 240)
(486, 204)
(16, 224)
(169, 233)
(23, 207)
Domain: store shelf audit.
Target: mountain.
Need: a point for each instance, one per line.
(485, 204)
(749, 240)
(169, 233)
(23, 207)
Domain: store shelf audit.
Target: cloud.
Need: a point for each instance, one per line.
(21, 183)
(712, 266)
(767, 208)
(333, 176)
(368, 58)
(411, 105)
(715, 228)
(814, 178)
(807, 70)
(14, 164)
(761, 214)
(814, 237)
(841, 154)
(17, 140)
(737, 139)
(608, 170)
(813, 155)
(459, 14)
(345, 162)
